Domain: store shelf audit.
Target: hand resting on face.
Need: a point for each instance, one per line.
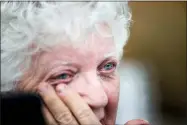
(65, 102)
(79, 48)
(65, 107)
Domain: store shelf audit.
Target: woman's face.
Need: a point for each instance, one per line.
(88, 68)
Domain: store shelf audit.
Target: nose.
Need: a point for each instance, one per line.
(95, 97)
(93, 92)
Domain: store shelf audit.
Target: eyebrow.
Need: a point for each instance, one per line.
(111, 54)
(60, 63)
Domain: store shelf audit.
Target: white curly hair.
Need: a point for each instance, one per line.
(45, 24)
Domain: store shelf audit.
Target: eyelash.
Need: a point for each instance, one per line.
(105, 75)
(56, 78)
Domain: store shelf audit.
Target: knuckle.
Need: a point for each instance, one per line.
(64, 118)
(84, 113)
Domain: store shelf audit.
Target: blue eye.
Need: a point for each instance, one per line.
(63, 76)
(109, 66)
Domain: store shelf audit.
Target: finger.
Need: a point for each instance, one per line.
(58, 109)
(137, 122)
(48, 117)
(76, 104)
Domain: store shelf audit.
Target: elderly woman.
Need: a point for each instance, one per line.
(68, 53)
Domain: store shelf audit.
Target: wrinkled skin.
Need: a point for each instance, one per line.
(88, 69)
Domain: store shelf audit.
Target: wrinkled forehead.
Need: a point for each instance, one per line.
(92, 50)
(94, 44)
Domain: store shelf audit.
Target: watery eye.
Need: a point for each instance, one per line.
(64, 76)
(109, 66)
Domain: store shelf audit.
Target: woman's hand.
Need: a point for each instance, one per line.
(65, 107)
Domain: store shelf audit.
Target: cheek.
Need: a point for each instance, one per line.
(112, 91)
(77, 85)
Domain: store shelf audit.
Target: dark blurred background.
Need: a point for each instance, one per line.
(158, 37)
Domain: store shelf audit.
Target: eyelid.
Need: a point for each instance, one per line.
(109, 59)
(55, 80)
(58, 70)
(60, 73)
(106, 62)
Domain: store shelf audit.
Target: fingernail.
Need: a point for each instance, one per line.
(145, 122)
(60, 88)
(137, 122)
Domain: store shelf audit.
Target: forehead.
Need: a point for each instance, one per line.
(94, 49)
